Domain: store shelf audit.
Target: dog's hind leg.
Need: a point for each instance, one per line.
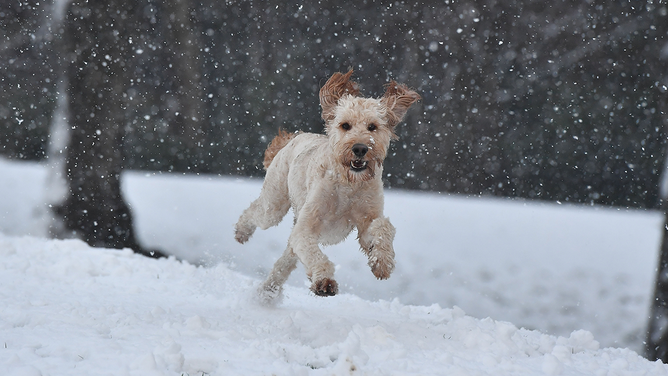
(272, 287)
(267, 210)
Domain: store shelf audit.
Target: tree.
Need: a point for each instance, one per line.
(181, 50)
(656, 343)
(98, 44)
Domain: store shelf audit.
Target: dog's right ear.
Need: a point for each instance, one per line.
(337, 86)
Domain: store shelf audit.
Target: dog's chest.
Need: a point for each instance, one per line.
(340, 220)
(335, 230)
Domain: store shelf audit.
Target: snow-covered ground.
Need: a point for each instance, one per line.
(577, 278)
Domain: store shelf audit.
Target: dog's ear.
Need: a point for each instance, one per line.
(398, 98)
(337, 86)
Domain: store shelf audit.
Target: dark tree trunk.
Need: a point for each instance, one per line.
(656, 344)
(98, 42)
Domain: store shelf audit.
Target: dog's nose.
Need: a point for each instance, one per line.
(360, 150)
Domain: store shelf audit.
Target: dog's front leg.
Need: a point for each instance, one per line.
(376, 241)
(304, 242)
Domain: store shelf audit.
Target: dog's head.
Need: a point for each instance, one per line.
(360, 129)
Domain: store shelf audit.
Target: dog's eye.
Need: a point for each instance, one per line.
(372, 127)
(345, 126)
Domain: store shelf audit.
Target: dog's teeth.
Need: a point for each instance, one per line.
(358, 165)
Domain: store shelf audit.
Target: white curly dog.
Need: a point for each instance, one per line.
(333, 183)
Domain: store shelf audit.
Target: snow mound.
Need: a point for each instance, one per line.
(68, 309)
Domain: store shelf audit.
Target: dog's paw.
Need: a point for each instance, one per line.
(381, 264)
(243, 233)
(268, 294)
(325, 287)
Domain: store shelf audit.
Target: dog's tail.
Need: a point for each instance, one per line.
(276, 145)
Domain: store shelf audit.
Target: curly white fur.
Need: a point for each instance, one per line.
(333, 183)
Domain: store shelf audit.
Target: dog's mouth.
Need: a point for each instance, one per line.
(358, 165)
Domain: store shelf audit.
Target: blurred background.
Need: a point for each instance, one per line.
(552, 100)
(559, 101)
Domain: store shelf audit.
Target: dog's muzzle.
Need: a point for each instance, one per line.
(360, 151)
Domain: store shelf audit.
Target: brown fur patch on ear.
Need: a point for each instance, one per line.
(398, 98)
(337, 86)
(276, 145)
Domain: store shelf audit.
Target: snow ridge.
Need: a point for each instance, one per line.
(69, 309)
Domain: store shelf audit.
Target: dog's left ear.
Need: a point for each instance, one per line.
(398, 98)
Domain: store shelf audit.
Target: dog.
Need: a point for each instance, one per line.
(333, 183)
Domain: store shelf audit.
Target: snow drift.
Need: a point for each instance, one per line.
(72, 310)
